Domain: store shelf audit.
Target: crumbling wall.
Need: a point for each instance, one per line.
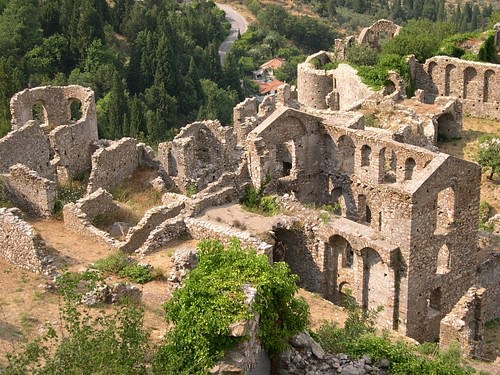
(78, 216)
(475, 83)
(464, 325)
(20, 244)
(372, 35)
(149, 222)
(30, 192)
(488, 276)
(352, 91)
(199, 155)
(167, 231)
(29, 146)
(113, 164)
(71, 139)
(314, 83)
(244, 118)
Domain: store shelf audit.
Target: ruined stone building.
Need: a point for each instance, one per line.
(405, 231)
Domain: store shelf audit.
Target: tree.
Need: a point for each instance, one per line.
(219, 103)
(489, 156)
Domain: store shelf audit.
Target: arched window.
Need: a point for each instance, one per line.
(366, 152)
(409, 168)
(443, 260)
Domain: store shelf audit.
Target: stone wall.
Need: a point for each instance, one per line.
(78, 217)
(464, 325)
(200, 230)
(149, 222)
(489, 277)
(113, 164)
(71, 139)
(315, 83)
(28, 146)
(382, 29)
(352, 91)
(20, 244)
(199, 155)
(167, 231)
(30, 192)
(474, 83)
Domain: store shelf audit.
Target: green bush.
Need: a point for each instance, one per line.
(112, 264)
(213, 297)
(136, 273)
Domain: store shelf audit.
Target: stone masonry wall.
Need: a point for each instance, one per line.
(30, 192)
(474, 82)
(352, 91)
(149, 222)
(200, 230)
(113, 164)
(489, 277)
(29, 146)
(465, 323)
(20, 244)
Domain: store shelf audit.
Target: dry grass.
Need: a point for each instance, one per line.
(467, 147)
(136, 192)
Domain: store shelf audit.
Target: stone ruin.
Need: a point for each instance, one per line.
(405, 231)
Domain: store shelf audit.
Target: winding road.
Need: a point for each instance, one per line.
(238, 23)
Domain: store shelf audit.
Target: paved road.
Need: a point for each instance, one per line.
(238, 23)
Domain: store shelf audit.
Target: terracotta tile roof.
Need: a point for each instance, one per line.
(273, 64)
(267, 87)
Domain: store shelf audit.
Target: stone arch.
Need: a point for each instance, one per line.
(75, 109)
(443, 260)
(347, 150)
(339, 256)
(445, 208)
(448, 78)
(39, 112)
(366, 152)
(430, 69)
(409, 168)
(376, 281)
(469, 75)
(488, 85)
(434, 303)
(364, 211)
(446, 127)
(387, 166)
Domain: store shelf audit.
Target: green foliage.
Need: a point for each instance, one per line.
(213, 297)
(112, 264)
(219, 103)
(97, 343)
(136, 273)
(119, 264)
(191, 190)
(358, 338)
(255, 200)
(362, 55)
(70, 192)
(488, 50)
(376, 76)
(489, 156)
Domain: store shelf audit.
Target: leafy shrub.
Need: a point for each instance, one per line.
(213, 297)
(255, 200)
(136, 273)
(270, 204)
(358, 338)
(112, 264)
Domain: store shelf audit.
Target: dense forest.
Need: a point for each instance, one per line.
(153, 65)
